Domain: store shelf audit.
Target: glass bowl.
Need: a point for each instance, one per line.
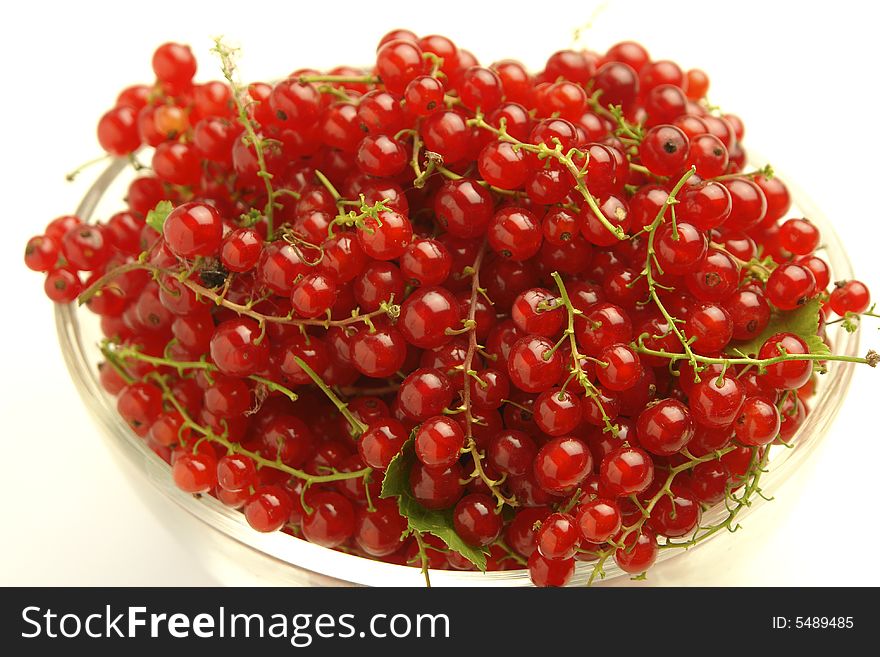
(281, 559)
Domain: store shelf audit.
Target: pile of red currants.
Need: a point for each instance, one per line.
(453, 315)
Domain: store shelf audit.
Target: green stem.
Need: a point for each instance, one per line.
(125, 353)
(649, 267)
(576, 368)
(228, 67)
(470, 443)
(423, 556)
(341, 79)
(357, 426)
(236, 448)
(451, 175)
(388, 309)
(872, 358)
(565, 159)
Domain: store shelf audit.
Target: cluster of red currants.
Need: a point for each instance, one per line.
(543, 286)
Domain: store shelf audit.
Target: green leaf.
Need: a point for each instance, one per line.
(157, 216)
(420, 519)
(803, 322)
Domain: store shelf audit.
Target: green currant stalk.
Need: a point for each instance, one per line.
(236, 448)
(122, 353)
(71, 176)
(627, 131)
(765, 171)
(651, 261)
(510, 554)
(851, 320)
(758, 268)
(388, 308)
(357, 426)
(449, 174)
(872, 358)
(576, 368)
(666, 490)
(423, 556)
(469, 373)
(226, 55)
(543, 151)
(356, 218)
(339, 79)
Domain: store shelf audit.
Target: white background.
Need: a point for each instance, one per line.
(803, 76)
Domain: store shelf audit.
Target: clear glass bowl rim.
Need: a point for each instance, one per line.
(337, 568)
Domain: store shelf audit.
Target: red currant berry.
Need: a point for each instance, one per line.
(195, 472)
(550, 572)
(313, 295)
(819, 269)
(676, 515)
(538, 311)
(427, 316)
(41, 253)
(562, 464)
(790, 286)
(476, 521)
(241, 250)
(512, 452)
(558, 537)
(788, 374)
(118, 131)
(424, 95)
(749, 313)
(239, 348)
(619, 367)
(398, 63)
(850, 297)
(515, 233)
(714, 278)
(602, 326)
(625, 471)
(378, 532)
(424, 393)
(710, 327)
(236, 472)
(426, 262)
(193, 229)
(439, 441)
(708, 156)
(665, 428)
(86, 248)
(381, 156)
(387, 238)
(598, 520)
(502, 165)
(680, 249)
(799, 236)
(639, 552)
(664, 150)
(174, 64)
(716, 401)
(533, 365)
(463, 207)
(379, 353)
(557, 412)
(331, 522)
(748, 204)
(381, 442)
(62, 285)
(436, 487)
(140, 405)
(758, 423)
